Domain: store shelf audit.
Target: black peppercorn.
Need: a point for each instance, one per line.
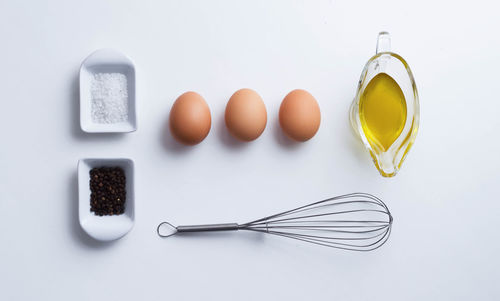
(107, 191)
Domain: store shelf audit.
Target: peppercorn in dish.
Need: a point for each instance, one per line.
(107, 191)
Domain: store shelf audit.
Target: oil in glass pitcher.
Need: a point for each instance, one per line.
(385, 111)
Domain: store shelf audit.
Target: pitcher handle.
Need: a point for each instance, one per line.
(383, 42)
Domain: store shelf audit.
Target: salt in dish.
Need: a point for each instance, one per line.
(107, 93)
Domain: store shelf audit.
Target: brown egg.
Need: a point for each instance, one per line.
(300, 115)
(246, 115)
(190, 119)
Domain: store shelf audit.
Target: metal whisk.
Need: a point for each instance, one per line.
(355, 222)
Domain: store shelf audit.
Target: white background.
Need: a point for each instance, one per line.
(445, 200)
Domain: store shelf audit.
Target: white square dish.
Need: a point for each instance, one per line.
(107, 61)
(108, 227)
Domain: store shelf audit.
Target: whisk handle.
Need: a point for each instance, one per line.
(210, 227)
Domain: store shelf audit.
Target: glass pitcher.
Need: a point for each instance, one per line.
(385, 111)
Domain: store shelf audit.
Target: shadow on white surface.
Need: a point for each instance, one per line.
(77, 233)
(225, 136)
(281, 137)
(76, 132)
(222, 236)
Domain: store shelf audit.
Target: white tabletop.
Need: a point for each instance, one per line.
(444, 244)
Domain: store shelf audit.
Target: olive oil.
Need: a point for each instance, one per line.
(382, 111)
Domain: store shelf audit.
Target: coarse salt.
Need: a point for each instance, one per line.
(109, 98)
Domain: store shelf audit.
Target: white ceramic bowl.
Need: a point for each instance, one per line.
(106, 61)
(111, 227)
